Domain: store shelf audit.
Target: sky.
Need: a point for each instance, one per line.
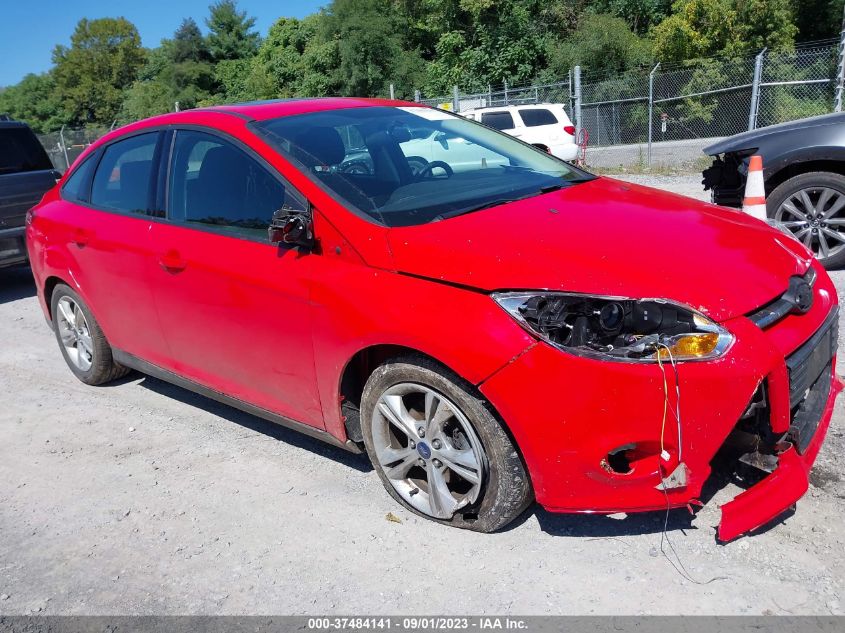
(29, 29)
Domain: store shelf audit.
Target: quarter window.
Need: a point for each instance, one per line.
(122, 179)
(215, 184)
(535, 117)
(77, 186)
(498, 120)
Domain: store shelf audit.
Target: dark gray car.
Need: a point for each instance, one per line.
(804, 171)
(26, 173)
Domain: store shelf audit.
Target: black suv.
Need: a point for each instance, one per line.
(26, 173)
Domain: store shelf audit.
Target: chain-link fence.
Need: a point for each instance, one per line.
(654, 119)
(661, 118)
(66, 145)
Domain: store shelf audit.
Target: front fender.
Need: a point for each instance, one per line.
(355, 307)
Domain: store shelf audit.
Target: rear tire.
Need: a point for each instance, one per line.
(813, 202)
(83, 344)
(465, 456)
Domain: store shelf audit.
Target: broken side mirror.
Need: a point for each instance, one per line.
(290, 226)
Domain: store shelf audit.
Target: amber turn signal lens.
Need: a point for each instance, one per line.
(690, 346)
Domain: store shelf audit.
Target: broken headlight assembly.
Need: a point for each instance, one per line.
(618, 329)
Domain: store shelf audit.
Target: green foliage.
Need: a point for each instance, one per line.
(601, 44)
(818, 19)
(639, 14)
(34, 99)
(360, 47)
(231, 34)
(102, 61)
(703, 28)
(371, 48)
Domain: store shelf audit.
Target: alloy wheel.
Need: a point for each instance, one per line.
(74, 333)
(816, 217)
(428, 449)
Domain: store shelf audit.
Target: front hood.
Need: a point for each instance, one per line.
(607, 237)
(754, 138)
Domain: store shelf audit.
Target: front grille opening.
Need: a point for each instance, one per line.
(748, 453)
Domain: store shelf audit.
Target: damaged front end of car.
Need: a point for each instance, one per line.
(725, 178)
(670, 398)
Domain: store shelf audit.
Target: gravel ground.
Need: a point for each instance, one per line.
(142, 498)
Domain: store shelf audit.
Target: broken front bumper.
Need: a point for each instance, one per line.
(573, 416)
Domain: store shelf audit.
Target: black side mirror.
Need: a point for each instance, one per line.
(291, 227)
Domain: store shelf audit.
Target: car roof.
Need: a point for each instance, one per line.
(271, 109)
(514, 106)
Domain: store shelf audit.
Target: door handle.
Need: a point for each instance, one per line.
(81, 237)
(172, 262)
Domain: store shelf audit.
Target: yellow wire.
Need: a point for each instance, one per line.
(665, 406)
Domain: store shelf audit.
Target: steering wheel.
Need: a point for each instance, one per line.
(430, 166)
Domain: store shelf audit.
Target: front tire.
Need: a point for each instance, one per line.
(438, 449)
(812, 207)
(83, 344)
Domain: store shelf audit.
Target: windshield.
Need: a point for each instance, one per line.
(403, 166)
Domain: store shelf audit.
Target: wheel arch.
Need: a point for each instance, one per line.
(360, 367)
(49, 286)
(355, 374)
(796, 168)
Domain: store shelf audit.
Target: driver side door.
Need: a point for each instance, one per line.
(234, 309)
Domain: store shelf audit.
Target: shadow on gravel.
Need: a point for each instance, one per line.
(294, 438)
(601, 526)
(16, 283)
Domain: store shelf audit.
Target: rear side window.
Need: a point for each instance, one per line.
(498, 120)
(77, 186)
(216, 184)
(537, 116)
(122, 179)
(20, 151)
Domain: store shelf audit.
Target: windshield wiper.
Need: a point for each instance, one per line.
(497, 202)
(486, 205)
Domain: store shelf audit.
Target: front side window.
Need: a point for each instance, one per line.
(122, 181)
(423, 165)
(217, 185)
(498, 120)
(535, 117)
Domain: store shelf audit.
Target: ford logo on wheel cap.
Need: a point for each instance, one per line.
(424, 450)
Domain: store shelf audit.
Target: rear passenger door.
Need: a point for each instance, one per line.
(104, 221)
(234, 308)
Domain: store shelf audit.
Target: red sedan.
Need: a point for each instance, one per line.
(490, 324)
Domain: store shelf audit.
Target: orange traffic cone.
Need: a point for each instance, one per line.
(754, 203)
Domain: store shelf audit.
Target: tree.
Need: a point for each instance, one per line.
(231, 34)
(477, 42)
(280, 65)
(601, 44)
(818, 19)
(35, 101)
(370, 45)
(703, 28)
(189, 44)
(639, 14)
(91, 75)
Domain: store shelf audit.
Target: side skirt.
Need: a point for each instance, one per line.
(138, 364)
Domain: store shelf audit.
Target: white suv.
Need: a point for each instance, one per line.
(545, 125)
